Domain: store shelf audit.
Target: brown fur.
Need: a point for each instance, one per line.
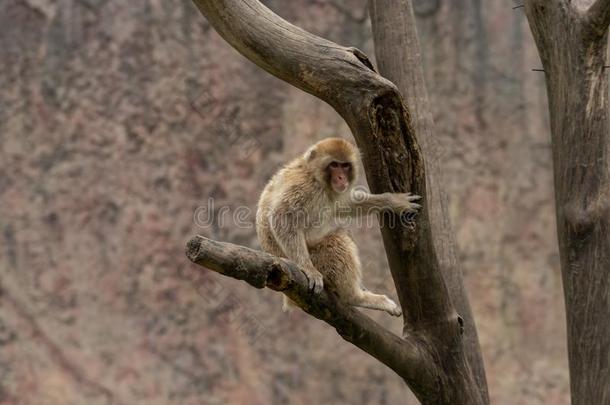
(296, 220)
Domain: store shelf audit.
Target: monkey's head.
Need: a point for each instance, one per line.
(334, 162)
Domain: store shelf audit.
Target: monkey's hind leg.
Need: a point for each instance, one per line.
(336, 257)
(367, 299)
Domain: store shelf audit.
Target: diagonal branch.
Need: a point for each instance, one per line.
(598, 16)
(406, 356)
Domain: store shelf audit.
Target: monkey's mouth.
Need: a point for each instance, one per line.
(340, 187)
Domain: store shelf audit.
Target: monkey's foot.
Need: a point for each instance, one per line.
(392, 308)
(380, 302)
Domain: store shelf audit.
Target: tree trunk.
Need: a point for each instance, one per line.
(572, 44)
(398, 55)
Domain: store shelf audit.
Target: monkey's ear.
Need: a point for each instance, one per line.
(310, 154)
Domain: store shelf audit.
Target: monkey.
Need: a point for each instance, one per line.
(299, 217)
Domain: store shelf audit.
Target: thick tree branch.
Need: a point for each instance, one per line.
(406, 356)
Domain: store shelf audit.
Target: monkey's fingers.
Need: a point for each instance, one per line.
(414, 207)
(316, 281)
(404, 203)
(318, 285)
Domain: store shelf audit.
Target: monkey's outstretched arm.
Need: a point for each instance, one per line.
(291, 240)
(364, 204)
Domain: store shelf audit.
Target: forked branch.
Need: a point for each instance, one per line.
(373, 108)
(430, 356)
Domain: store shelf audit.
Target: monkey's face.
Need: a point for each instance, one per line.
(339, 175)
(334, 163)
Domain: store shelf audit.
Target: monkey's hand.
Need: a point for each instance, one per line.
(316, 283)
(402, 203)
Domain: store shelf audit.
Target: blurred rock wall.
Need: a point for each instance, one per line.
(127, 127)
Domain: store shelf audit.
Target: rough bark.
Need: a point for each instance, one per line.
(399, 59)
(381, 124)
(572, 44)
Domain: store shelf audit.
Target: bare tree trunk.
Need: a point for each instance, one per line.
(398, 55)
(572, 43)
(431, 355)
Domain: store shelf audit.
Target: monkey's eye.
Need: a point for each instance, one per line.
(346, 166)
(334, 165)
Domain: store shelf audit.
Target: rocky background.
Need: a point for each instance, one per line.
(120, 120)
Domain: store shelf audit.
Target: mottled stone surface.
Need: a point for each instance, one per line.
(119, 119)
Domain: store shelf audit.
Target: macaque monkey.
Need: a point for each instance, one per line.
(300, 215)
